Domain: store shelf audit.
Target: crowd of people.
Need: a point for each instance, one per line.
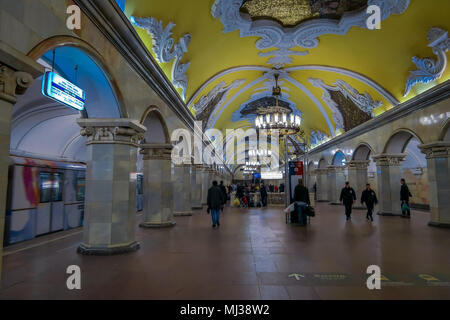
(219, 194)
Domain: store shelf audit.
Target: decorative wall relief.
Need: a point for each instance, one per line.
(316, 137)
(428, 68)
(304, 34)
(214, 100)
(166, 49)
(343, 99)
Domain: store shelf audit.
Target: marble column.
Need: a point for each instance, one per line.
(438, 165)
(158, 204)
(17, 73)
(388, 176)
(196, 186)
(110, 202)
(336, 181)
(205, 183)
(322, 185)
(357, 176)
(182, 189)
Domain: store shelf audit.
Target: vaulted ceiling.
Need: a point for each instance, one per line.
(336, 73)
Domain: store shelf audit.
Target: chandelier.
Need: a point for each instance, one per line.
(278, 117)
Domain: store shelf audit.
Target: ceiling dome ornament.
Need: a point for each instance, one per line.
(305, 34)
(428, 68)
(166, 49)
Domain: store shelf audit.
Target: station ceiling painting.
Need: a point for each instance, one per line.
(222, 55)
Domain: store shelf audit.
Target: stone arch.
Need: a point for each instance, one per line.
(322, 164)
(68, 41)
(399, 140)
(338, 158)
(362, 152)
(157, 131)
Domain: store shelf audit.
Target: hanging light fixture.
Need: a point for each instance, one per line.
(278, 117)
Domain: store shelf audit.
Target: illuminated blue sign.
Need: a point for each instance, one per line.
(59, 89)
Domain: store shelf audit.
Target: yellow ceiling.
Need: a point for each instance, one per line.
(383, 56)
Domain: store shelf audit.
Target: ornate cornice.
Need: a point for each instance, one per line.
(440, 149)
(303, 35)
(385, 159)
(156, 151)
(166, 49)
(429, 69)
(110, 131)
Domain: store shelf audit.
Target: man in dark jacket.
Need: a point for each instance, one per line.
(404, 198)
(301, 193)
(348, 197)
(370, 199)
(214, 201)
(263, 191)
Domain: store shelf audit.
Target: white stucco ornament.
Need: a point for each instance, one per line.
(304, 35)
(363, 101)
(166, 49)
(222, 87)
(428, 68)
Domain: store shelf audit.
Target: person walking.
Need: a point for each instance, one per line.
(404, 198)
(224, 194)
(263, 191)
(369, 197)
(214, 201)
(301, 193)
(348, 197)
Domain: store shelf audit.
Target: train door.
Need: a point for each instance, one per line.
(50, 212)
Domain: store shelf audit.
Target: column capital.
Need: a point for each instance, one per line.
(385, 159)
(13, 82)
(438, 149)
(156, 151)
(358, 164)
(110, 131)
(17, 72)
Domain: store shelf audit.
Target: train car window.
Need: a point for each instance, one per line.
(58, 182)
(45, 186)
(140, 183)
(81, 183)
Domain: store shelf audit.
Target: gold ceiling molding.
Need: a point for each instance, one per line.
(287, 12)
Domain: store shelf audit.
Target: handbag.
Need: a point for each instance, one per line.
(405, 207)
(310, 211)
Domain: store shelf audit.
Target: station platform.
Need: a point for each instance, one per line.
(253, 255)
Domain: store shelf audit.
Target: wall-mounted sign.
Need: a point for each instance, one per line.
(59, 89)
(271, 175)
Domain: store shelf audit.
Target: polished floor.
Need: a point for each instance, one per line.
(253, 255)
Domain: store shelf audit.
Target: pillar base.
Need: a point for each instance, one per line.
(102, 251)
(197, 207)
(439, 224)
(157, 225)
(389, 214)
(182, 214)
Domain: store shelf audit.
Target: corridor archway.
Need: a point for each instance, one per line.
(47, 152)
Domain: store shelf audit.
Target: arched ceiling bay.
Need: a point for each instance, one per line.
(226, 71)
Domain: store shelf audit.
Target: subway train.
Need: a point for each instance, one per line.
(46, 196)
